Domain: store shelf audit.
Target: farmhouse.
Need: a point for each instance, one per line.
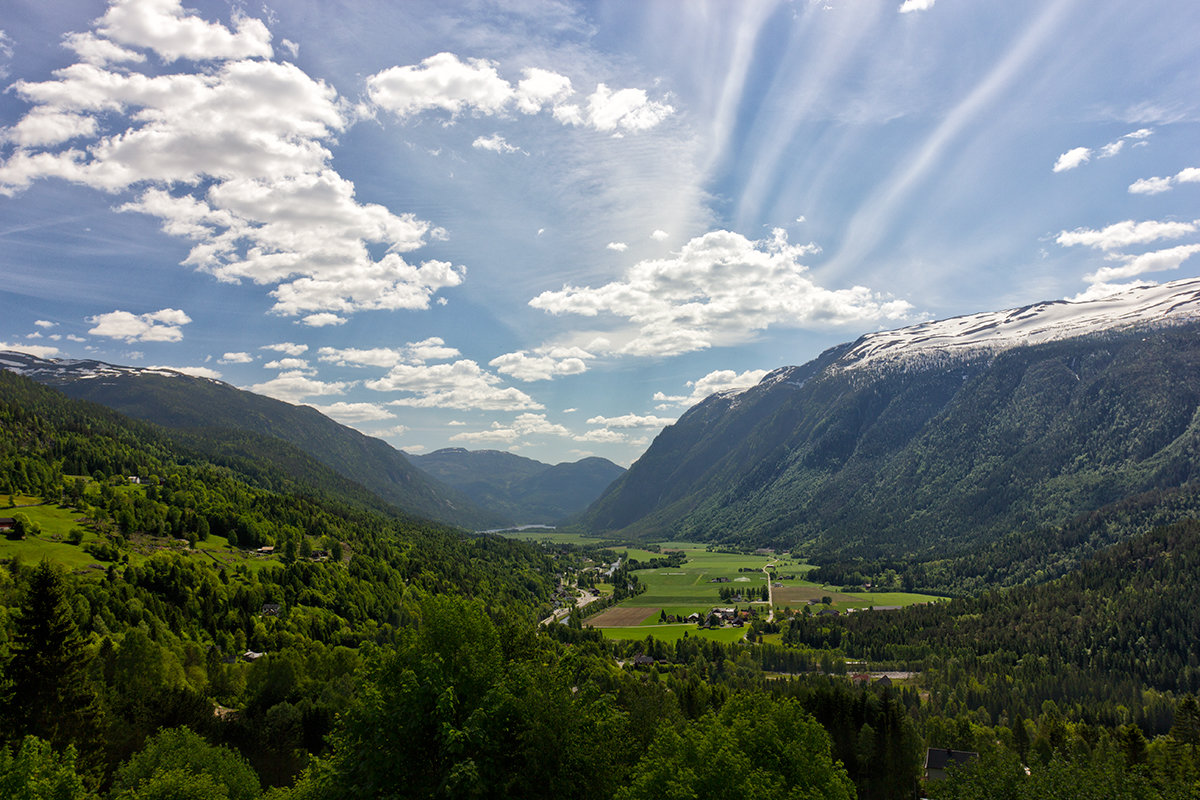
(937, 760)
(7, 523)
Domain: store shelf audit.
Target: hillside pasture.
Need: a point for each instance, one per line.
(622, 616)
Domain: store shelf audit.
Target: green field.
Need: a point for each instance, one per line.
(689, 588)
(550, 537)
(673, 633)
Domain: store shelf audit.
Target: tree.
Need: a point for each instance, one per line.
(49, 694)
(179, 757)
(36, 772)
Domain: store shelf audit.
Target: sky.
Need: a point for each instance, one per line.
(551, 227)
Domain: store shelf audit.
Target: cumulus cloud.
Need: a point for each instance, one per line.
(461, 384)
(496, 144)
(166, 28)
(1156, 261)
(720, 289)
(323, 320)
(620, 247)
(1072, 159)
(431, 349)
(632, 421)
(543, 363)
(720, 380)
(38, 350)
(1150, 186)
(916, 5)
(235, 358)
(524, 425)
(660, 236)
(231, 152)
(157, 326)
(1125, 233)
(1078, 156)
(354, 413)
(444, 82)
(288, 363)
(290, 348)
(45, 323)
(1160, 185)
(292, 387)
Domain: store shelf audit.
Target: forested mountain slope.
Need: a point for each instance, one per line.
(918, 444)
(524, 490)
(212, 410)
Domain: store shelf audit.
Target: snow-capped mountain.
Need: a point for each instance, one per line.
(994, 331)
(68, 369)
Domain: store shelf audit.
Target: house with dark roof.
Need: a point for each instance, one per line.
(937, 761)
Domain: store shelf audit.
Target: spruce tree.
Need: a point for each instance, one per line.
(48, 694)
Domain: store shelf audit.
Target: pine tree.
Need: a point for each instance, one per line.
(48, 693)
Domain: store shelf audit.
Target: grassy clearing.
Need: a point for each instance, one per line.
(673, 633)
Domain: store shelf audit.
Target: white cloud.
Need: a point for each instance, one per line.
(660, 236)
(916, 5)
(620, 247)
(45, 323)
(632, 421)
(34, 335)
(524, 425)
(431, 349)
(38, 350)
(292, 387)
(544, 363)
(413, 448)
(496, 144)
(235, 358)
(166, 28)
(1081, 155)
(720, 289)
(1127, 232)
(461, 384)
(624, 109)
(290, 348)
(540, 88)
(601, 435)
(716, 381)
(232, 155)
(73, 338)
(1156, 261)
(441, 81)
(288, 363)
(1072, 159)
(353, 413)
(157, 326)
(1099, 291)
(447, 83)
(323, 320)
(1150, 186)
(1160, 185)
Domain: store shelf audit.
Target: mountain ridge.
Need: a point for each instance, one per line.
(932, 454)
(204, 406)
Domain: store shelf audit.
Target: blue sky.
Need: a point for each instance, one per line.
(551, 227)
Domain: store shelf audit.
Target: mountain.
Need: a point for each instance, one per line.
(936, 439)
(524, 490)
(268, 429)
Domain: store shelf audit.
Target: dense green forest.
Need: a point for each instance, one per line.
(372, 654)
